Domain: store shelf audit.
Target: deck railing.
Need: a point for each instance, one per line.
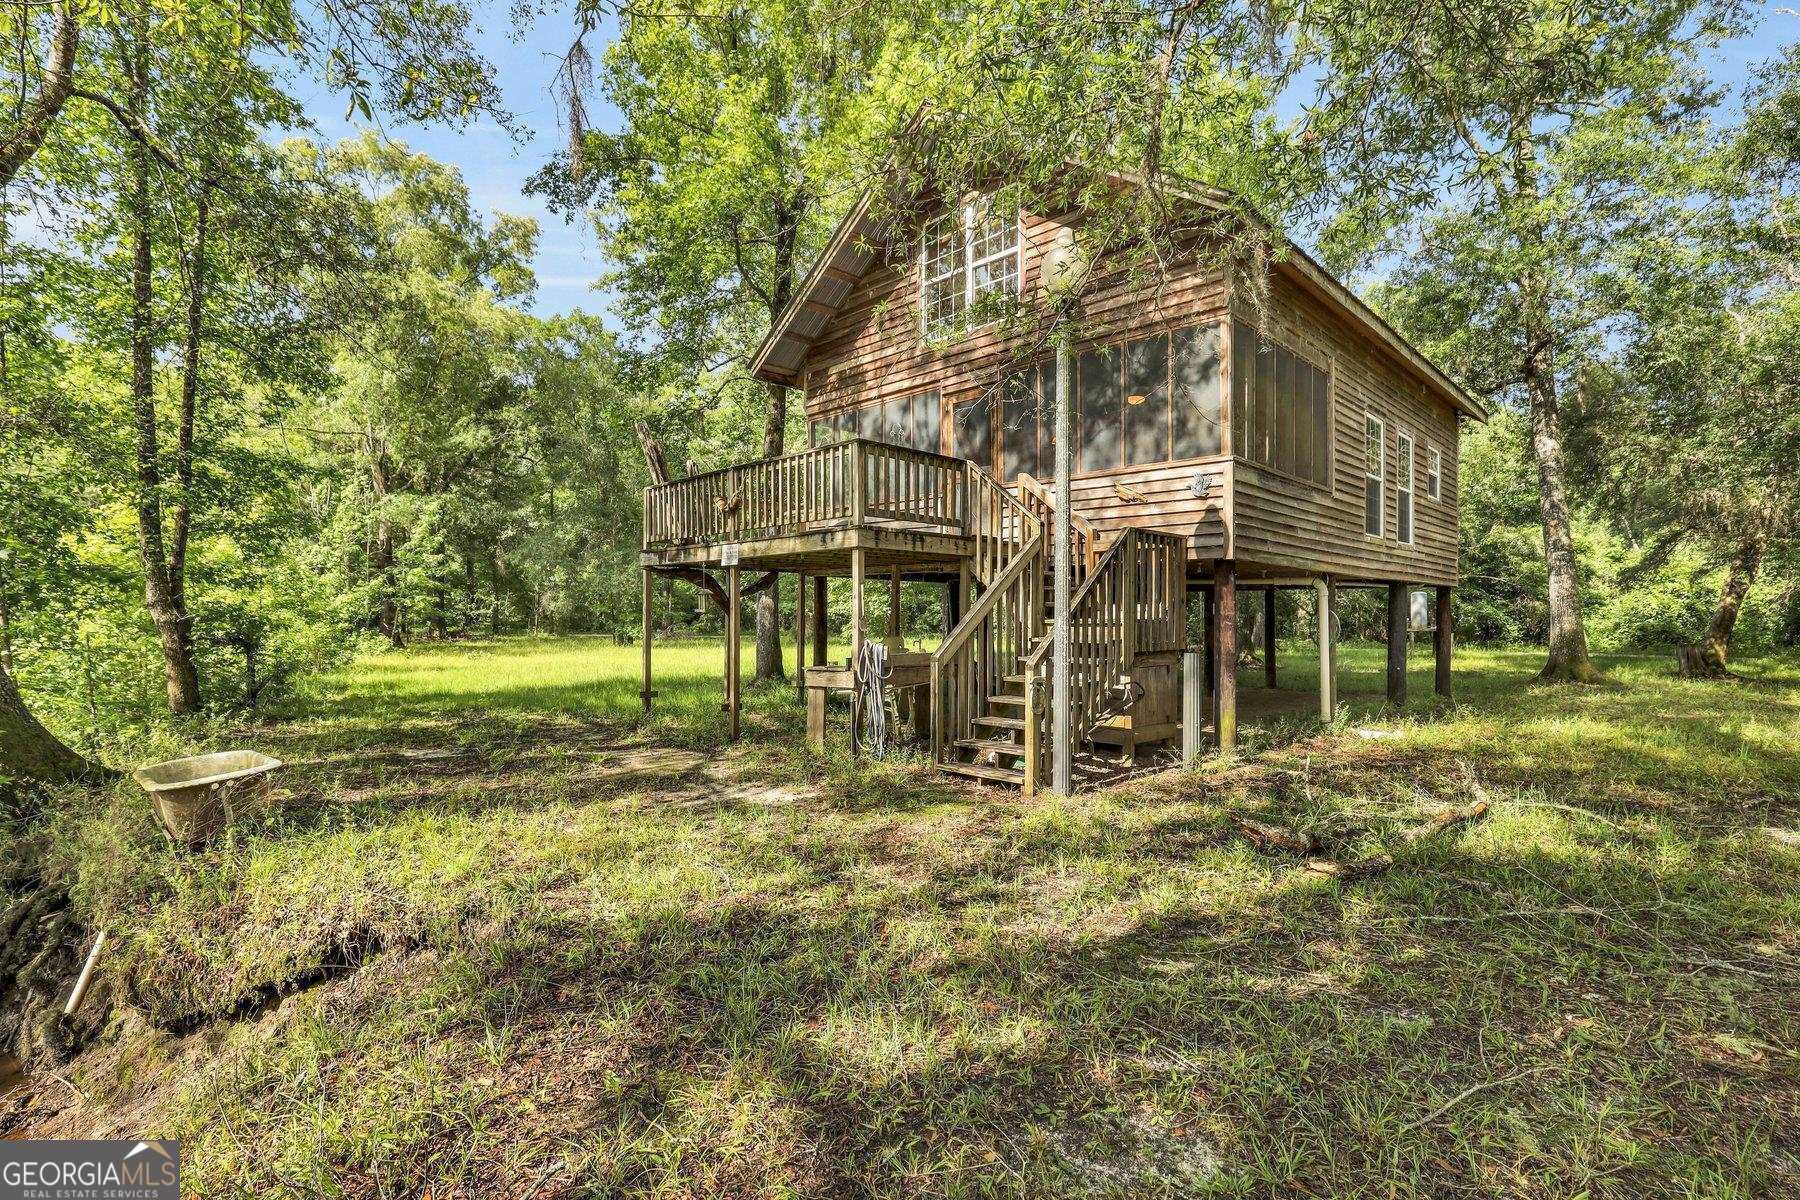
(846, 483)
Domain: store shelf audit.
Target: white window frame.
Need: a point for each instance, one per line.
(928, 280)
(1434, 473)
(965, 245)
(1406, 481)
(1379, 478)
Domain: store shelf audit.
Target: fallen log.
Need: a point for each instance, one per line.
(1276, 837)
(1376, 864)
(1345, 872)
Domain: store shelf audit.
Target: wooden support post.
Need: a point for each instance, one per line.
(1268, 646)
(820, 633)
(1327, 606)
(1193, 704)
(815, 718)
(1034, 727)
(1396, 639)
(800, 636)
(649, 581)
(1444, 641)
(893, 624)
(1225, 655)
(733, 648)
(1209, 622)
(858, 572)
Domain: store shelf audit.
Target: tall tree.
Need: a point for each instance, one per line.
(416, 63)
(1514, 146)
(721, 183)
(1706, 431)
(412, 60)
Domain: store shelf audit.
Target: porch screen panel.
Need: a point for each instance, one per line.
(1194, 369)
(974, 431)
(1243, 388)
(1262, 433)
(1046, 419)
(1284, 448)
(1281, 407)
(1018, 426)
(1100, 421)
(1147, 400)
(871, 423)
(925, 422)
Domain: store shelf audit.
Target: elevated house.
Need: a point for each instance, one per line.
(1219, 444)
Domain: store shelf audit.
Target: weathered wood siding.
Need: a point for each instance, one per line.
(1283, 522)
(872, 351)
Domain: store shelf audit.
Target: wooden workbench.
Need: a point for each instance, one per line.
(909, 677)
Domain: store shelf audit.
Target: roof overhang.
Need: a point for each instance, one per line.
(852, 250)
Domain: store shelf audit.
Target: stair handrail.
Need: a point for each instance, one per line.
(1082, 533)
(1021, 566)
(1009, 545)
(1101, 650)
(998, 522)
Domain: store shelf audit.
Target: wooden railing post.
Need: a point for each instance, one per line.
(1129, 594)
(859, 476)
(1034, 732)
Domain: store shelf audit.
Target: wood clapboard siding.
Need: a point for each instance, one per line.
(1171, 505)
(1286, 522)
(872, 351)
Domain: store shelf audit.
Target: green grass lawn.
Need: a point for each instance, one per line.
(501, 936)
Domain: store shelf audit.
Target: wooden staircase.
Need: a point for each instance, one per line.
(990, 678)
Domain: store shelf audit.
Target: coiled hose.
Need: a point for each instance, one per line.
(871, 697)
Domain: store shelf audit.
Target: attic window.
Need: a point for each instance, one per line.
(970, 259)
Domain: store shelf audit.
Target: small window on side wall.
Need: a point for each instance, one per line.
(1374, 472)
(1403, 488)
(1434, 473)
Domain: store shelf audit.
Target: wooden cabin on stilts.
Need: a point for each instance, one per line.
(1218, 446)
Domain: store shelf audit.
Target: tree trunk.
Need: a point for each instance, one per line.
(33, 124)
(768, 618)
(388, 619)
(768, 638)
(28, 751)
(6, 645)
(190, 392)
(1707, 660)
(1568, 660)
(162, 597)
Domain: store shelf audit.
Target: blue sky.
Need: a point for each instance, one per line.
(493, 163)
(496, 166)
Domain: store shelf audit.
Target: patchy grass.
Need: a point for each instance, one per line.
(558, 946)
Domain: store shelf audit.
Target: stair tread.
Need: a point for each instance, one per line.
(1004, 698)
(1002, 722)
(978, 771)
(990, 745)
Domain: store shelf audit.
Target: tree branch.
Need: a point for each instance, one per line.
(131, 124)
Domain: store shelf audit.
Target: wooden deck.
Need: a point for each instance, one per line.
(809, 511)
